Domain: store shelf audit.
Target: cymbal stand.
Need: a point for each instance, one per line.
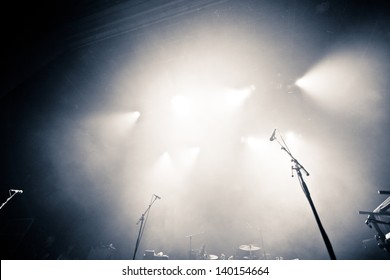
(190, 237)
(298, 167)
(142, 222)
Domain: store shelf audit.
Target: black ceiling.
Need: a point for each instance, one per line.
(35, 33)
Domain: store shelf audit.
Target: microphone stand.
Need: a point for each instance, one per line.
(190, 237)
(8, 199)
(142, 221)
(298, 167)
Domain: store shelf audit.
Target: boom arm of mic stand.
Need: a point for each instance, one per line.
(8, 199)
(295, 161)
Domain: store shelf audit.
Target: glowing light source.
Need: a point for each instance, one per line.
(132, 117)
(237, 97)
(189, 156)
(114, 127)
(294, 140)
(164, 165)
(300, 82)
(252, 142)
(194, 151)
(291, 136)
(181, 105)
(312, 82)
(340, 84)
(165, 158)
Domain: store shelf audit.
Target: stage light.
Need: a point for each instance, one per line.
(235, 98)
(292, 89)
(339, 84)
(294, 140)
(163, 173)
(181, 105)
(252, 142)
(132, 117)
(291, 136)
(194, 151)
(189, 156)
(300, 82)
(165, 159)
(312, 82)
(164, 167)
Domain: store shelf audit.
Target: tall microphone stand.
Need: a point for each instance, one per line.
(298, 167)
(10, 197)
(142, 222)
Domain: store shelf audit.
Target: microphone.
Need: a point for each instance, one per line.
(157, 196)
(273, 135)
(17, 191)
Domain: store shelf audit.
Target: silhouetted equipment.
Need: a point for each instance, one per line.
(297, 166)
(194, 254)
(248, 252)
(379, 219)
(11, 195)
(102, 252)
(151, 255)
(142, 221)
(249, 248)
(201, 254)
(211, 257)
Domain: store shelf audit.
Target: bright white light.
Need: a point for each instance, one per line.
(237, 97)
(341, 84)
(300, 82)
(181, 105)
(165, 159)
(293, 140)
(194, 152)
(163, 173)
(313, 82)
(164, 168)
(132, 117)
(189, 156)
(253, 142)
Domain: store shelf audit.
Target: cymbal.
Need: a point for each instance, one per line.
(212, 257)
(249, 248)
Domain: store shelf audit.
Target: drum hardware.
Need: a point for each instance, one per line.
(248, 252)
(379, 219)
(151, 255)
(193, 254)
(211, 257)
(249, 248)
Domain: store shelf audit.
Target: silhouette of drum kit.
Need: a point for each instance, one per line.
(201, 254)
(244, 252)
(248, 252)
